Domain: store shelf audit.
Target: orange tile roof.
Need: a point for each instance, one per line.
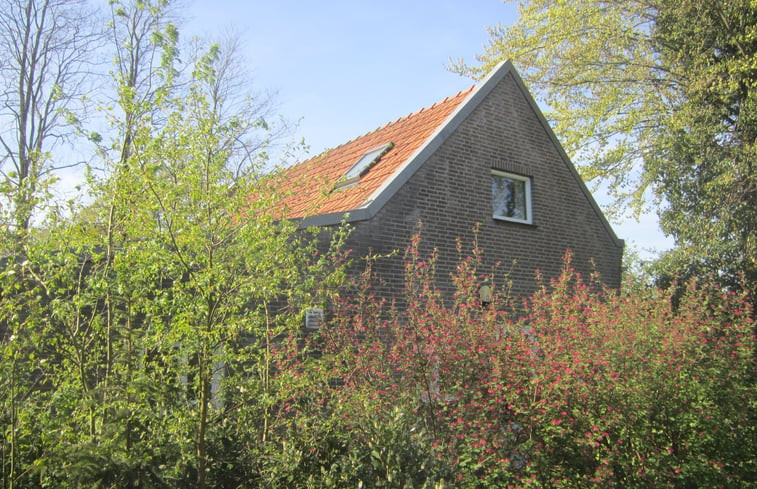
(310, 183)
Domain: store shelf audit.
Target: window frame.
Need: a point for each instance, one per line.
(529, 197)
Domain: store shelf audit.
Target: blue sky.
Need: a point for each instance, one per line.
(343, 68)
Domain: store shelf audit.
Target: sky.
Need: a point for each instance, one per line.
(343, 68)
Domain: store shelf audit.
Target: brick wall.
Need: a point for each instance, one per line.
(452, 191)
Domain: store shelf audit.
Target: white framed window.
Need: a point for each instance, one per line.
(511, 197)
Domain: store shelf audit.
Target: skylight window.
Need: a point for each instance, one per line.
(364, 164)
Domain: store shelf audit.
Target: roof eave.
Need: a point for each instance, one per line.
(334, 218)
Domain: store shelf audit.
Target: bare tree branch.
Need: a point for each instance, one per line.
(47, 51)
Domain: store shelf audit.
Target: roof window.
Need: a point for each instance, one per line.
(365, 163)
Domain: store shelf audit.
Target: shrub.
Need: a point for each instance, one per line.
(588, 388)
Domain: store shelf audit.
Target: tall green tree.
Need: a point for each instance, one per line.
(141, 336)
(205, 270)
(47, 52)
(705, 166)
(655, 99)
(595, 66)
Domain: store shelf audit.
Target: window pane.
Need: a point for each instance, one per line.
(366, 160)
(509, 197)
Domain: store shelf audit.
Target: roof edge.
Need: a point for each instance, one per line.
(334, 218)
(566, 159)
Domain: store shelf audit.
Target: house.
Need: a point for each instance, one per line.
(485, 155)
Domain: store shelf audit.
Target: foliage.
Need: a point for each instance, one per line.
(596, 67)
(705, 167)
(139, 335)
(588, 389)
(154, 337)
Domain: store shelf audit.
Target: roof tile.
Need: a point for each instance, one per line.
(310, 184)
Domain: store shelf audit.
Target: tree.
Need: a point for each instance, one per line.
(195, 270)
(656, 99)
(705, 164)
(202, 266)
(595, 66)
(144, 39)
(142, 336)
(47, 48)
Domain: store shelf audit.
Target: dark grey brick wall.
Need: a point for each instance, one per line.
(452, 192)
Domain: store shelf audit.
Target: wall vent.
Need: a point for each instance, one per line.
(313, 318)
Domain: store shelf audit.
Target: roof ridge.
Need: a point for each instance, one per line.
(406, 116)
(429, 107)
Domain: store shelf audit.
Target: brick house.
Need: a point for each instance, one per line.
(485, 155)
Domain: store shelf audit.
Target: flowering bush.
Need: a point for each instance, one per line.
(581, 387)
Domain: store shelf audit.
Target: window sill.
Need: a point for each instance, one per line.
(514, 221)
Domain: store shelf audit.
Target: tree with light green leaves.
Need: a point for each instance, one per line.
(654, 99)
(142, 336)
(207, 281)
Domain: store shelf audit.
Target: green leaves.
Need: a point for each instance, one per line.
(592, 64)
(148, 335)
(704, 168)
